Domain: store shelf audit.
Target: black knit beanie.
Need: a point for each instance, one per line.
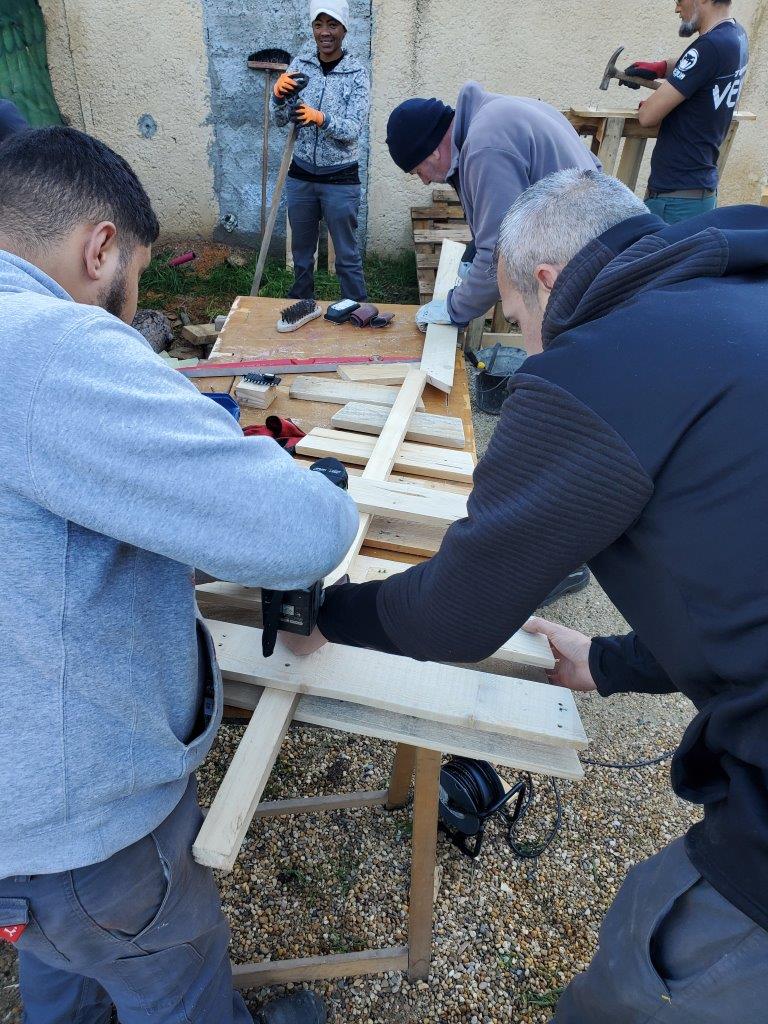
(415, 129)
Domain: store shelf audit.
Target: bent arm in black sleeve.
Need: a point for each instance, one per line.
(623, 664)
(557, 486)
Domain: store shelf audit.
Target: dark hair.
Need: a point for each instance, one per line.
(52, 179)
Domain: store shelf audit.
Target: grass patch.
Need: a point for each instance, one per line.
(206, 295)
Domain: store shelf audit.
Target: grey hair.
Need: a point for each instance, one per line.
(555, 218)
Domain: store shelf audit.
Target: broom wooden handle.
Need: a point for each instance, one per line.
(266, 237)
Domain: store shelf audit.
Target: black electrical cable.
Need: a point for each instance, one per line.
(533, 852)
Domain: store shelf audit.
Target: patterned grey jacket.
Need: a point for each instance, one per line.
(344, 96)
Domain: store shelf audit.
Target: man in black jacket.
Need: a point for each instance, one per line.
(636, 440)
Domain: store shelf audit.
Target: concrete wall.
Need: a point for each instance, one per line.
(555, 52)
(165, 84)
(234, 30)
(135, 74)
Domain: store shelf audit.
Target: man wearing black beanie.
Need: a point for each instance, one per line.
(490, 149)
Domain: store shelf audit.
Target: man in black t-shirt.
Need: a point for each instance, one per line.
(693, 108)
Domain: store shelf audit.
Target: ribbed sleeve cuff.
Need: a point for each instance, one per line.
(350, 616)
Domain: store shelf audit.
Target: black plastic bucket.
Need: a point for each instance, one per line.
(501, 361)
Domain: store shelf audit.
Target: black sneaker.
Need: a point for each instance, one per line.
(302, 1007)
(572, 584)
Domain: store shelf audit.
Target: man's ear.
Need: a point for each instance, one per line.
(546, 274)
(100, 249)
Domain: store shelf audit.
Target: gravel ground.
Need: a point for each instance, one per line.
(509, 934)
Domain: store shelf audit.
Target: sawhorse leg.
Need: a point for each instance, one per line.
(424, 856)
(400, 779)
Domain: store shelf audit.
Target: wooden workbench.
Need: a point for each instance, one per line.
(250, 334)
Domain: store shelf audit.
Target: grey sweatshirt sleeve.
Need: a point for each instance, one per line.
(125, 446)
(491, 180)
(623, 664)
(557, 486)
(351, 125)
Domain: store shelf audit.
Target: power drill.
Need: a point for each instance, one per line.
(296, 611)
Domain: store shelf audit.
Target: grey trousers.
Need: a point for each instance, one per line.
(337, 205)
(143, 930)
(672, 950)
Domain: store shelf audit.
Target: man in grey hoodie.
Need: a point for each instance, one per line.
(491, 149)
(116, 478)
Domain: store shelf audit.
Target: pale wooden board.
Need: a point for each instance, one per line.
(400, 537)
(440, 693)
(221, 836)
(375, 373)
(457, 235)
(382, 459)
(423, 505)
(339, 392)
(521, 649)
(509, 751)
(439, 355)
(424, 428)
(420, 460)
(630, 113)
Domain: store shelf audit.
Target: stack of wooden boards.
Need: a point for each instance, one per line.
(432, 225)
(543, 721)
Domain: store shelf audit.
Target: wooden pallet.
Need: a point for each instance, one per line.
(431, 225)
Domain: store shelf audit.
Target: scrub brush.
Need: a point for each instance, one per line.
(300, 313)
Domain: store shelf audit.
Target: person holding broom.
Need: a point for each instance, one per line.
(323, 182)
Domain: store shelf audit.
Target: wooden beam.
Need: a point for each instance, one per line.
(339, 392)
(631, 161)
(438, 358)
(418, 459)
(402, 776)
(375, 373)
(407, 501)
(456, 696)
(426, 795)
(608, 152)
(321, 804)
(424, 428)
(320, 968)
(383, 454)
(523, 755)
(221, 836)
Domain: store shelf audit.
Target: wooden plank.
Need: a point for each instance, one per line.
(631, 161)
(376, 373)
(725, 148)
(515, 340)
(456, 696)
(402, 775)
(418, 459)
(508, 751)
(383, 454)
(424, 427)
(630, 113)
(459, 233)
(339, 392)
(221, 836)
(399, 536)
(322, 804)
(407, 501)
(319, 968)
(199, 334)
(608, 153)
(439, 356)
(426, 795)
(764, 197)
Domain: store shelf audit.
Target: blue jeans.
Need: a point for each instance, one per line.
(337, 205)
(674, 208)
(143, 931)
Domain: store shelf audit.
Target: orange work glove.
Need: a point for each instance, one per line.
(286, 85)
(303, 115)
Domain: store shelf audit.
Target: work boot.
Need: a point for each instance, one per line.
(572, 584)
(302, 1007)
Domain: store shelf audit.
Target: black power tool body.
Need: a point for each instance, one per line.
(296, 611)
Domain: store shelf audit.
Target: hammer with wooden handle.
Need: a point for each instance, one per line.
(611, 71)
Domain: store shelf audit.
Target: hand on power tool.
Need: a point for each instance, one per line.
(303, 116)
(287, 85)
(648, 69)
